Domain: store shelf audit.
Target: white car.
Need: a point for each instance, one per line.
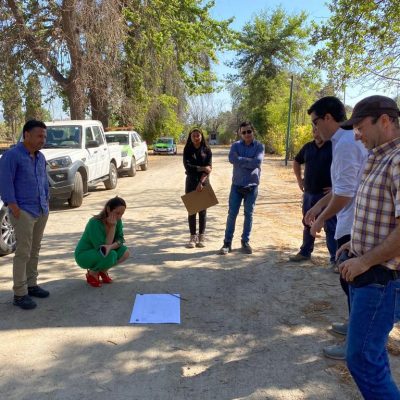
(7, 235)
(134, 150)
(78, 156)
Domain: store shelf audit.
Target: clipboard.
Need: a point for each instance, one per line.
(199, 201)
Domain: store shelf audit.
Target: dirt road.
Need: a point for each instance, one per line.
(252, 327)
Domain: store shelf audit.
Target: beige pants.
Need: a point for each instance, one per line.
(28, 232)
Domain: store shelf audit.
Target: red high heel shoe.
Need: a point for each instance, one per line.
(92, 280)
(105, 277)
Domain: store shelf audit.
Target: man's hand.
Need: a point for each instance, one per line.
(199, 187)
(326, 190)
(16, 211)
(316, 227)
(312, 214)
(342, 248)
(351, 268)
(300, 182)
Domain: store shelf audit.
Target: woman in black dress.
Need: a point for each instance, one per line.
(197, 162)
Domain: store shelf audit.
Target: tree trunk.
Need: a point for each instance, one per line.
(99, 107)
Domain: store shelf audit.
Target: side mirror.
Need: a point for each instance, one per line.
(91, 144)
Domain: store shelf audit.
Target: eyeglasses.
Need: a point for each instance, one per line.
(248, 132)
(314, 121)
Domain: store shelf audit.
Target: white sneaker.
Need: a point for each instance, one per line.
(202, 240)
(192, 242)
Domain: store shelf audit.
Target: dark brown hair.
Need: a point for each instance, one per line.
(112, 204)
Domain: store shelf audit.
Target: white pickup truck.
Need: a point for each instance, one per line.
(78, 156)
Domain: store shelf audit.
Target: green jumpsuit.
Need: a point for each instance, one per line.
(87, 252)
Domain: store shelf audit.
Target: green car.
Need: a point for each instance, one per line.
(164, 145)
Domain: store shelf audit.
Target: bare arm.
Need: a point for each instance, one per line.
(297, 173)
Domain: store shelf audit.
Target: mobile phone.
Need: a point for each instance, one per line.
(103, 250)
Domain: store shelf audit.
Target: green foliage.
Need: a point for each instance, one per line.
(361, 38)
(169, 51)
(301, 134)
(267, 50)
(33, 100)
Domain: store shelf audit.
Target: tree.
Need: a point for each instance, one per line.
(10, 96)
(362, 39)
(33, 99)
(73, 41)
(271, 48)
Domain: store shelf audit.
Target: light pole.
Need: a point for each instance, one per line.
(288, 124)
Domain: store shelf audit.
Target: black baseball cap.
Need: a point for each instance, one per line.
(372, 106)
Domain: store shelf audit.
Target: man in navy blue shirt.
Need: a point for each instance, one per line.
(24, 188)
(317, 157)
(247, 156)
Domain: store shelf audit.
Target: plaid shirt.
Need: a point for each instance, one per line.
(378, 201)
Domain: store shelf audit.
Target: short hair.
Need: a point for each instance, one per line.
(32, 124)
(329, 105)
(246, 123)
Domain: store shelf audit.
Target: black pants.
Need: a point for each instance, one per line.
(345, 286)
(190, 186)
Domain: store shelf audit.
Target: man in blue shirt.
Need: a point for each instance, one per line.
(24, 188)
(246, 155)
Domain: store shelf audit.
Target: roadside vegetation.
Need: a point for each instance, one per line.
(150, 65)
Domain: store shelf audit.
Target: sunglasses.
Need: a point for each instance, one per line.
(314, 121)
(248, 132)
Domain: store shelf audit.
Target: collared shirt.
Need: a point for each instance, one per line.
(348, 160)
(246, 160)
(317, 170)
(378, 201)
(23, 180)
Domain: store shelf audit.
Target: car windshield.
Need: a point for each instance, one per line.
(69, 136)
(121, 139)
(164, 141)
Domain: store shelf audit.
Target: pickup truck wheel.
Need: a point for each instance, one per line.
(7, 235)
(145, 165)
(76, 198)
(132, 169)
(111, 181)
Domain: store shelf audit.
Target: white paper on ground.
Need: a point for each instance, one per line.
(156, 309)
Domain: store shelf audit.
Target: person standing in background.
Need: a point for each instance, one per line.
(317, 158)
(197, 160)
(246, 155)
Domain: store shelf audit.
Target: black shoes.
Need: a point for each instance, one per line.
(37, 291)
(24, 302)
(246, 248)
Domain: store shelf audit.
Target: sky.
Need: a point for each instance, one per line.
(244, 10)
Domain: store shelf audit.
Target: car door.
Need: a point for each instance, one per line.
(104, 157)
(138, 148)
(93, 155)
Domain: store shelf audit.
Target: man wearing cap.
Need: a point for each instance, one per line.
(348, 159)
(373, 273)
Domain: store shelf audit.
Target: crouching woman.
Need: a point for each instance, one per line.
(101, 245)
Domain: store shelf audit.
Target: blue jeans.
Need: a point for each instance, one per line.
(309, 200)
(235, 201)
(374, 310)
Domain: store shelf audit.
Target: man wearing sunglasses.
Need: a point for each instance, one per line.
(247, 156)
(348, 159)
(373, 273)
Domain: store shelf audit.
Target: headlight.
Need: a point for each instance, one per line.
(124, 153)
(61, 162)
